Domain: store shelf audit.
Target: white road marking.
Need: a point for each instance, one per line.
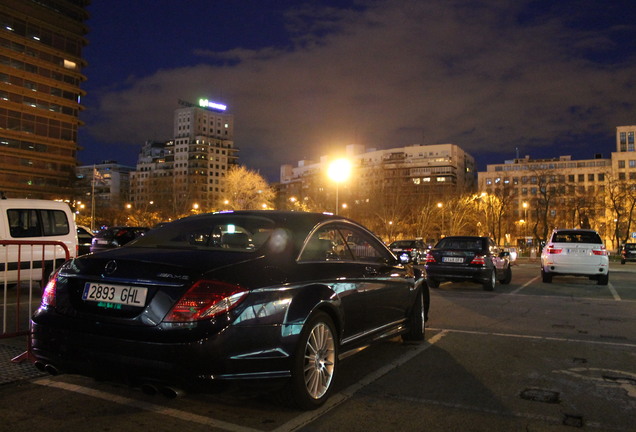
(524, 285)
(544, 338)
(296, 423)
(178, 414)
(613, 291)
(308, 417)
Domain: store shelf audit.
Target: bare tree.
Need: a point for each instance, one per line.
(246, 190)
(621, 201)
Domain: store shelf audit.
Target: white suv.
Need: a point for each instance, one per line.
(578, 252)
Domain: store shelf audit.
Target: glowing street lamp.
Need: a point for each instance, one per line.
(339, 171)
(525, 218)
(441, 206)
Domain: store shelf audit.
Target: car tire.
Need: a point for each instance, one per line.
(489, 284)
(416, 320)
(603, 279)
(432, 283)
(315, 363)
(622, 261)
(507, 276)
(545, 276)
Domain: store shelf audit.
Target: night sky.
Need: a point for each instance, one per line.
(303, 79)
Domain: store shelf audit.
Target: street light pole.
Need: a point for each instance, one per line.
(525, 225)
(339, 171)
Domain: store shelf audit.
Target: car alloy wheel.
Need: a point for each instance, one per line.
(417, 320)
(315, 363)
(489, 285)
(319, 360)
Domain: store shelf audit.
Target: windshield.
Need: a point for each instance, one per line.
(223, 232)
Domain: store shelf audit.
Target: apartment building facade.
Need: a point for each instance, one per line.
(189, 170)
(41, 64)
(562, 192)
(410, 172)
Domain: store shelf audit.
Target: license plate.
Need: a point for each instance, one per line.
(119, 294)
(577, 251)
(453, 259)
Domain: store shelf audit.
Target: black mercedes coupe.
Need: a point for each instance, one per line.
(243, 296)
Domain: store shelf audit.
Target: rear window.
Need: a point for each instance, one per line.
(460, 243)
(576, 237)
(37, 223)
(235, 233)
(631, 246)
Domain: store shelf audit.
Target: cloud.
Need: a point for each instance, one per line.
(385, 74)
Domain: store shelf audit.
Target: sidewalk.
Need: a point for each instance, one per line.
(9, 371)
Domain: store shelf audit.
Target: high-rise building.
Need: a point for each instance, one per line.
(41, 65)
(188, 171)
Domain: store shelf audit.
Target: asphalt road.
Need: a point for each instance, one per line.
(528, 356)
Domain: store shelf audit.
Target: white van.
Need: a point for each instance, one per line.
(32, 221)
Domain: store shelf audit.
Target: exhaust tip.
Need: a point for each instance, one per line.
(170, 393)
(52, 370)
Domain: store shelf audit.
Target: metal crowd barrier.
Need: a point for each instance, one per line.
(27, 250)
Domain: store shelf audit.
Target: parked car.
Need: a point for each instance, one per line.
(413, 250)
(467, 258)
(577, 252)
(246, 295)
(84, 240)
(115, 237)
(628, 252)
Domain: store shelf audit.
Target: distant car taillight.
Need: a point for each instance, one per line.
(479, 260)
(552, 250)
(430, 258)
(48, 296)
(206, 299)
(600, 251)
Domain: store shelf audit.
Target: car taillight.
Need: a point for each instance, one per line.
(430, 258)
(600, 251)
(553, 250)
(479, 260)
(204, 300)
(48, 296)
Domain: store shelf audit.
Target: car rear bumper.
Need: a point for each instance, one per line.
(180, 364)
(458, 274)
(576, 269)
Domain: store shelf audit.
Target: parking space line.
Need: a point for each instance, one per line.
(178, 414)
(544, 338)
(613, 291)
(335, 400)
(296, 423)
(525, 285)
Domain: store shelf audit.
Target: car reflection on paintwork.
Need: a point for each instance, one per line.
(411, 250)
(115, 237)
